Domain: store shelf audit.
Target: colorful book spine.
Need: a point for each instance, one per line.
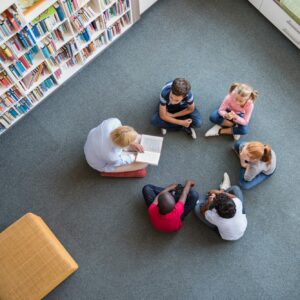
(82, 18)
(100, 41)
(47, 21)
(6, 53)
(23, 63)
(5, 80)
(9, 22)
(34, 76)
(59, 11)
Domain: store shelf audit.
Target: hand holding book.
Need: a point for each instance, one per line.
(135, 147)
(152, 146)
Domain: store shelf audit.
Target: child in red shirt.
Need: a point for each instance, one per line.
(168, 207)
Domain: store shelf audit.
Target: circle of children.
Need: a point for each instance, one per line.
(110, 148)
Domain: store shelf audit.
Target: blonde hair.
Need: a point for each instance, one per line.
(244, 90)
(257, 150)
(123, 136)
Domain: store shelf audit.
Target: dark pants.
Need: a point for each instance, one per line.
(235, 190)
(151, 191)
(195, 116)
(236, 129)
(246, 185)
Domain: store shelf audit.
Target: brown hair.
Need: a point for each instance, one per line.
(258, 150)
(123, 136)
(244, 90)
(180, 87)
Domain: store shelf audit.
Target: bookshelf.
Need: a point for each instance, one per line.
(284, 14)
(42, 47)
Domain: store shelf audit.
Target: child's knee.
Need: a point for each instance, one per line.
(197, 122)
(194, 195)
(246, 185)
(146, 189)
(243, 130)
(215, 117)
(155, 119)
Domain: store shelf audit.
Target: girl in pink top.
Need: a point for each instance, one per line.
(234, 114)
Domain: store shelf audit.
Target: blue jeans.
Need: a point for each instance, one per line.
(151, 191)
(232, 190)
(195, 116)
(236, 129)
(246, 185)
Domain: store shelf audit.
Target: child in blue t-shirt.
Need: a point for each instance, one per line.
(177, 108)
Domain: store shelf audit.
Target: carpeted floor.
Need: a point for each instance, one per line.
(104, 223)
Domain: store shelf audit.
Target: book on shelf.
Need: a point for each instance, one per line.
(45, 22)
(67, 51)
(71, 6)
(23, 63)
(152, 149)
(82, 17)
(5, 80)
(48, 48)
(10, 22)
(14, 112)
(16, 45)
(50, 40)
(88, 50)
(74, 60)
(106, 2)
(116, 28)
(100, 41)
(58, 34)
(39, 92)
(10, 97)
(34, 76)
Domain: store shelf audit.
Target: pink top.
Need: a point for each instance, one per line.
(166, 223)
(230, 104)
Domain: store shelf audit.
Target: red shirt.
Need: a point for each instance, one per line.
(166, 223)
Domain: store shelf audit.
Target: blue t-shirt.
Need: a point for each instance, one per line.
(171, 108)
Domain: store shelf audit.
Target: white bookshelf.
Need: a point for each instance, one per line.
(110, 19)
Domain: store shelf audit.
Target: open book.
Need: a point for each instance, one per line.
(152, 148)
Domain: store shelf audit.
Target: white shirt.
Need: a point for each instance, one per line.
(100, 152)
(230, 229)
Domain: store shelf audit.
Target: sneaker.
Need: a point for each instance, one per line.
(226, 182)
(163, 131)
(190, 131)
(236, 137)
(194, 135)
(214, 131)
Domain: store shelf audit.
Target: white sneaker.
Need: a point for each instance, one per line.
(163, 131)
(193, 133)
(214, 131)
(226, 184)
(236, 137)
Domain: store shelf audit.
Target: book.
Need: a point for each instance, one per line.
(152, 149)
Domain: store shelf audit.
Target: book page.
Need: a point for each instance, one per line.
(152, 143)
(148, 157)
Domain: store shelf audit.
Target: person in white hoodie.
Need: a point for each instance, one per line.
(110, 147)
(223, 211)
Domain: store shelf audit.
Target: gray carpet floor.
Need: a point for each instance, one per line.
(104, 223)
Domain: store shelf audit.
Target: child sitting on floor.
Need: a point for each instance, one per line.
(258, 163)
(168, 207)
(177, 110)
(234, 114)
